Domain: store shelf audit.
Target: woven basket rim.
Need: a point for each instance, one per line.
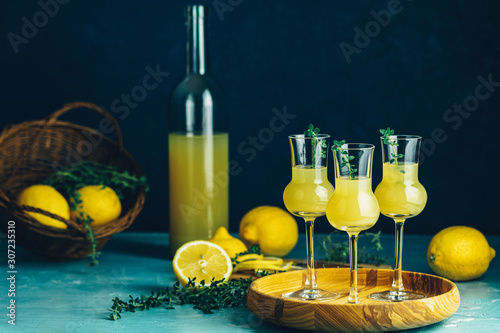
(6, 134)
(74, 231)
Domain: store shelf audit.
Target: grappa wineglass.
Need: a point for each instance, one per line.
(400, 196)
(353, 206)
(306, 196)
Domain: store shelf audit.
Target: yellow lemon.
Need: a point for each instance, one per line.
(202, 260)
(47, 198)
(459, 253)
(99, 202)
(274, 229)
(230, 244)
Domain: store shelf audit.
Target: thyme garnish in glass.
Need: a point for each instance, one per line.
(346, 159)
(312, 132)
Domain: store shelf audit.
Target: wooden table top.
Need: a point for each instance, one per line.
(71, 297)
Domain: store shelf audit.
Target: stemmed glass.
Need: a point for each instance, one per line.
(353, 206)
(306, 196)
(400, 196)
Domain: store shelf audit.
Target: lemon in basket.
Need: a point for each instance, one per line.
(459, 253)
(202, 260)
(47, 198)
(98, 202)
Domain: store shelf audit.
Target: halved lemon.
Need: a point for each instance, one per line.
(202, 260)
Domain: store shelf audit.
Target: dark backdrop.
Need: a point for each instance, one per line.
(422, 70)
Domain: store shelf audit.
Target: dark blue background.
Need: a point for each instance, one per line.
(277, 54)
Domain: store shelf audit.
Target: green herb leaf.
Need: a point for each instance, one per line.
(85, 173)
(338, 251)
(67, 181)
(254, 249)
(312, 132)
(216, 295)
(387, 140)
(337, 146)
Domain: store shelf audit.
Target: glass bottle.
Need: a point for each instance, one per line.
(198, 143)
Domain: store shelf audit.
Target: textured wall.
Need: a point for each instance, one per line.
(346, 66)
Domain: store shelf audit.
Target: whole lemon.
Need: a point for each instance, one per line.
(274, 229)
(98, 202)
(47, 198)
(459, 253)
(230, 244)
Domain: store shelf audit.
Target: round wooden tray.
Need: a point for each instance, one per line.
(265, 301)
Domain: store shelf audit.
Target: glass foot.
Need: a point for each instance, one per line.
(310, 294)
(396, 296)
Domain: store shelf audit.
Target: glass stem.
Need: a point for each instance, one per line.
(353, 264)
(311, 273)
(397, 282)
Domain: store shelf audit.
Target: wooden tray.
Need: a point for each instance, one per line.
(301, 264)
(265, 301)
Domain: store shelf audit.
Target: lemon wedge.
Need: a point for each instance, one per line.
(202, 260)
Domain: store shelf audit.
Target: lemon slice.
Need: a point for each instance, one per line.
(202, 260)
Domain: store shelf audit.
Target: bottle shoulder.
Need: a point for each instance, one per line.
(197, 84)
(196, 104)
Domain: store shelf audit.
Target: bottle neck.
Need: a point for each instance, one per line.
(197, 40)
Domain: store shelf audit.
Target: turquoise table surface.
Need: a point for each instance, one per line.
(71, 297)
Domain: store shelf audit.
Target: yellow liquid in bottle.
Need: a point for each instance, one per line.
(308, 192)
(400, 194)
(199, 186)
(353, 207)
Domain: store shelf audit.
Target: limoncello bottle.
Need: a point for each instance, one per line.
(198, 143)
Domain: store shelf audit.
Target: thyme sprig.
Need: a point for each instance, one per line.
(85, 220)
(254, 249)
(346, 159)
(216, 295)
(339, 251)
(84, 173)
(387, 133)
(93, 244)
(312, 132)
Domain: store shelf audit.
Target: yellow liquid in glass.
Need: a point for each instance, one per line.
(199, 184)
(353, 207)
(308, 192)
(400, 194)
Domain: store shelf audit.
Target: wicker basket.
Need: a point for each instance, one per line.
(31, 151)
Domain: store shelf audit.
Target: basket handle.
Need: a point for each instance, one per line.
(54, 117)
(75, 105)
